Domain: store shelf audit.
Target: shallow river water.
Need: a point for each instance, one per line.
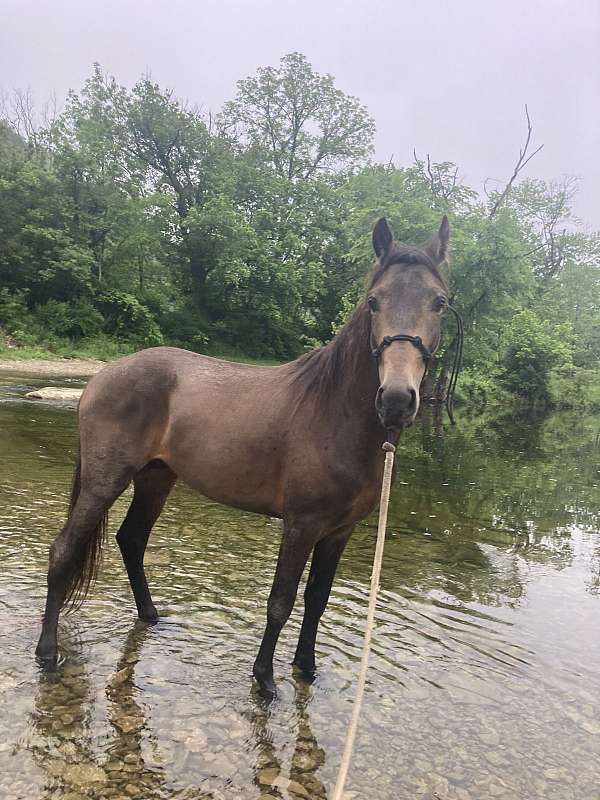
(485, 675)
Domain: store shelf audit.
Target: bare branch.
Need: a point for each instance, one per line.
(49, 111)
(430, 175)
(442, 183)
(522, 161)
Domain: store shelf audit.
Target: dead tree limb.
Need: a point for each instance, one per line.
(522, 161)
(441, 185)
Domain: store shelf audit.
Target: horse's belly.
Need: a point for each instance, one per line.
(248, 496)
(237, 470)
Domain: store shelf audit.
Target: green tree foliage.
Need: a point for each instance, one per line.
(130, 219)
(531, 348)
(300, 121)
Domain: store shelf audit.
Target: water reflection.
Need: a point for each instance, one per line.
(63, 744)
(483, 680)
(307, 758)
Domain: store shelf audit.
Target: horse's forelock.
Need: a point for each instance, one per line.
(403, 255)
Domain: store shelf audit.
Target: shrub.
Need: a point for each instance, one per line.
(126, 318)
(531, 348)
(77, 319)
(13, 308)
(186, 327)
(477, 389)
(575, 388)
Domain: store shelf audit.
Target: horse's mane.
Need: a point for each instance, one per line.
(318, 373)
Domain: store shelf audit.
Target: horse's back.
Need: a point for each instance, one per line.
(217, 424)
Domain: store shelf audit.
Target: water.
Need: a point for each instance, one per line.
(484, 680)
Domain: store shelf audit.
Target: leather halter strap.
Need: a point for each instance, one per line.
(416, 341)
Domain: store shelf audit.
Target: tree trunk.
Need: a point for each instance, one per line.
(198, 274)
(441, 387)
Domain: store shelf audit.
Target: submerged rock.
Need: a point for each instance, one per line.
(267, 776)
(82, 774)
(119, 677)
(296, 788)
(129, 724)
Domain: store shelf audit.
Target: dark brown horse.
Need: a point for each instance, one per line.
(301, 441)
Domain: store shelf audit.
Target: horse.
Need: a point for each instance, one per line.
(301, 441)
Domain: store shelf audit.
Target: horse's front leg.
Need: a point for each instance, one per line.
(297, 542)
(324, 564)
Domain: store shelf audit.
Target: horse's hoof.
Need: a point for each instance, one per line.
(306, 669)
(267, 690)
(266, 684)
(149, 617)
(47, 657)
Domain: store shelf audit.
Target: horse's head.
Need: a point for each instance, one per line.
(407, 297)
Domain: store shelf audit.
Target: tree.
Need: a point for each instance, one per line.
(132, 219)
(37, 253)
(301, 120)
(531, 349)
(498, 198)
(545, 211)
(85, 144)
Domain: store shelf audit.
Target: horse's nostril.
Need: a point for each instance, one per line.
(396, 403)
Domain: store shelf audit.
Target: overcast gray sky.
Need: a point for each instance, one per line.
(448, 78)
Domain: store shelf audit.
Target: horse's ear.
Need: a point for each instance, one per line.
(439, 245)
(382, 238)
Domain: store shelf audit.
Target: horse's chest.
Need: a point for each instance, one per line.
(365, 501)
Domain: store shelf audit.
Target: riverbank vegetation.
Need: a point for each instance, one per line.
(130, 219)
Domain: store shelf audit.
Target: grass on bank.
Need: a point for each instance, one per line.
(103, 348)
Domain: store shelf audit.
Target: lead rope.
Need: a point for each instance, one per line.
(458, 355)
(362, 677)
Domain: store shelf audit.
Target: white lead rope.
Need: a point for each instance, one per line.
(362, 678)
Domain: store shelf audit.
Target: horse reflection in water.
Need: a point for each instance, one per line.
(67, 707)
(307, 759)
(137, 755)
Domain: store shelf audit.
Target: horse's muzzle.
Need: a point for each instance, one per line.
(396, 408)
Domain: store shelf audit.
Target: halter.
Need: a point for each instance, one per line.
(427, 355)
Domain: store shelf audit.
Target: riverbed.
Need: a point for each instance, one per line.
(485, 674)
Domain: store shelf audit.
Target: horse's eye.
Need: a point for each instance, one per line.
(440, 304)
(372, 303)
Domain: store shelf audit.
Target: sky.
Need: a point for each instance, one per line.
(446, 78)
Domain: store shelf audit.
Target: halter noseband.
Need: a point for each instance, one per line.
(417, 342)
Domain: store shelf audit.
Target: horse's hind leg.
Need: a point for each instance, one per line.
(75, 552)
(151, 489)
(323, 567)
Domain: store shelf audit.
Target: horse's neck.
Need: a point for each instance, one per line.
(337, 385)
(357, 394)
(352, 399)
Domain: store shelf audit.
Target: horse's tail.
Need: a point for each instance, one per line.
(86, 565)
